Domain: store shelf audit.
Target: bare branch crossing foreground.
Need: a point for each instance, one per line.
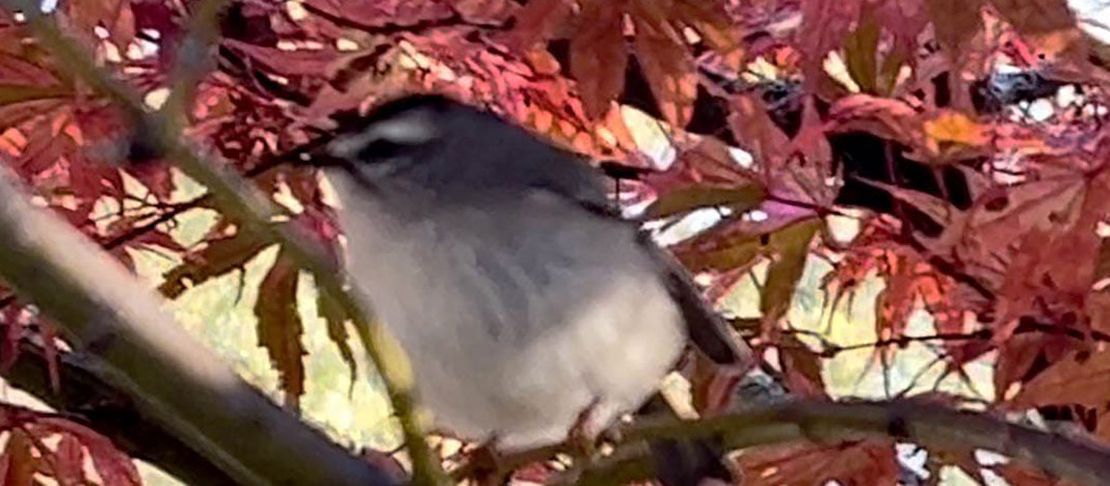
(84, 395)
(201, 422)
(173, 380)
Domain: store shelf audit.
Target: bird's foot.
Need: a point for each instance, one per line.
(582, 436)
(483, 465)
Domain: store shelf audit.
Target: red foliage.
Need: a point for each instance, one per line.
(1018, 270)
(857, 463)
(27, 454)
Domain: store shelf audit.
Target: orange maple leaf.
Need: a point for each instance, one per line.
(953, 128)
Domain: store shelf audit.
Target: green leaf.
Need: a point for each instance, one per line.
(731, 253)
(860, 53)
(336, 317)
(280, 328)
(888, 74)
(791, 245)
(741, 198)
(19, 93)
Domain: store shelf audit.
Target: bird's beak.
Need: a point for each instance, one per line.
(323, 157)
(318, 154)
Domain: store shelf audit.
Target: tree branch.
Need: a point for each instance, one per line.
(85, 397)
(189, 69)
(110, 316)
(930, 425)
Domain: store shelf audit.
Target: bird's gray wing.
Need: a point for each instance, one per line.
(707, 330)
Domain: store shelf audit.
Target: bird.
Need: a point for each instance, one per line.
(528, 307)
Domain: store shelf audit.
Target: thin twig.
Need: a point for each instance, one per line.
(189, 67)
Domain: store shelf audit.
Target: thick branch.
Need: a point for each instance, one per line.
(107, 314)
(930, 425)
(86, 398)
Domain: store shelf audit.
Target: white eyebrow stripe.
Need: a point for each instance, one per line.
(348, 146)
(409, 130)
(404, 131)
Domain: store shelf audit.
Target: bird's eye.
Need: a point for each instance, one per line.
(383, 149)
(384, 140)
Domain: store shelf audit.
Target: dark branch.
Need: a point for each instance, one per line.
(86, 398)
(930, 425)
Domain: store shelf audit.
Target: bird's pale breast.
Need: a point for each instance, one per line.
(516, 316)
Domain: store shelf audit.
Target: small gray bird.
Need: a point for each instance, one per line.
(528, 308)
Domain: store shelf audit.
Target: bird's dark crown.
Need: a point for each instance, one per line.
(396, 107)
